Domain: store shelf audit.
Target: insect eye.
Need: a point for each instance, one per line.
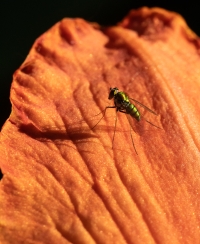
(111, 94)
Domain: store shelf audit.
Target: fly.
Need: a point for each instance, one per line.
(123, 103)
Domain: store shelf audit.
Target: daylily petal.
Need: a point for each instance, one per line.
(65, 179)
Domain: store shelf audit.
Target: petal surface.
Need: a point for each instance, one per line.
(65, 179)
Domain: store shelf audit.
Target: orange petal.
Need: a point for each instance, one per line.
(63, 182)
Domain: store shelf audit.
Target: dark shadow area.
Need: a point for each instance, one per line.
(1, 175)
(73, 133)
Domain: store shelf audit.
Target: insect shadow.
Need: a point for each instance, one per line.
(73, 132)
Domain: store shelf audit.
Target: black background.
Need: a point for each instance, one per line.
(21, 22)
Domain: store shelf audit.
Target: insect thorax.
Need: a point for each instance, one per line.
(121, 100)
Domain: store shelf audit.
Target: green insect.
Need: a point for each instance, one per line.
(123, 104)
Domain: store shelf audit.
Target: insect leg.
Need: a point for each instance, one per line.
(129, 120)
(104, 112)
(122, 111)
(115, 129)
(152, 123)
(132, 140)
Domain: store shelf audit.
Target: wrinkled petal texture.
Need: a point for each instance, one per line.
(65, 179)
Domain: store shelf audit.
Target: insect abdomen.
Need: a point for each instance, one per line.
(133, 111)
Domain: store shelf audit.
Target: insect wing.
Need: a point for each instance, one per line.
(135, 125)
(144, 117)
(142, 105)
